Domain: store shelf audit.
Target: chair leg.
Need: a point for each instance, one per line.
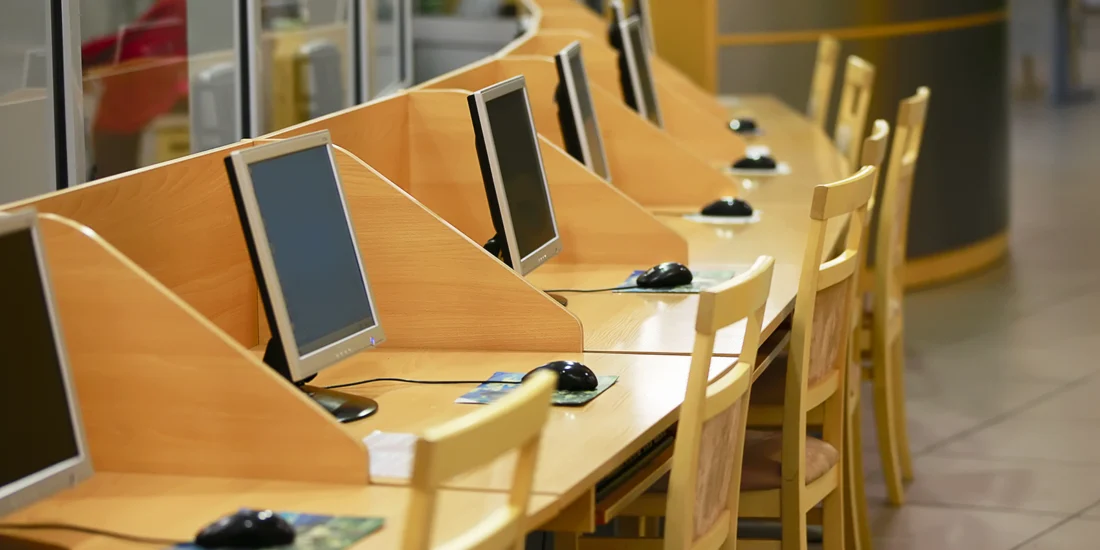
(859, 532)
(832, 520)
(566, 541)
(883, 382)
(794, 531)
(901, 418)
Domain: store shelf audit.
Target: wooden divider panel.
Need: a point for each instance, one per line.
(179, 223)
(437, 289)
(646, 163)
(380, 126)
(707, 135)
(162, 390)
(598, 223)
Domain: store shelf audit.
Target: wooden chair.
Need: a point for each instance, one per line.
(804, 471)
(857, 524)
(700, 502)
(855, 101)
(884, 326)
(474, 440)
(821, 87)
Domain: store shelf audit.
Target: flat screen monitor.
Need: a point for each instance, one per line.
(320, 79)
(642, 93)
(36, 68)
(385, 47)
(306, 258)
(579, 127)
(515, 183)
(214, 107)
(43, 444)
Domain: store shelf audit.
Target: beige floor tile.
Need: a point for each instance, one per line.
(1061, 441)
(1020, 485)
(1075, 534)
(1080, 403)
(925, 528)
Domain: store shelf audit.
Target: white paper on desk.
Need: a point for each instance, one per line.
(724, 220)
(391, 454)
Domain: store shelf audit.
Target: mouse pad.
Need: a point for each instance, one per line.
(490, 392)
(316, 532)
(701, 280)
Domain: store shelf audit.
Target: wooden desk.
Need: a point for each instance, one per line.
(580, 445)
(177, 507)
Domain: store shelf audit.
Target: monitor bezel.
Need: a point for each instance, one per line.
(567, 57)
(300, 367)
(402, 44)
(632, 59)
(542, 254)
(67, 473)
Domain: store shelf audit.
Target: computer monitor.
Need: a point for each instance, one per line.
(36, 68)
(577, 116)
(320, 79)
(641, 9)
(214, 107)
(515, 183)
(44, 450)
(642, 93)
(385, 47)
(307, 263)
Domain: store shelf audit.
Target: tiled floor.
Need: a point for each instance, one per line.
(1003, 380)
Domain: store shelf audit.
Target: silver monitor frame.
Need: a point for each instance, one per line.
(300, 367)
(569, 55)
(627, 26)
(71, 471)
(542, 254)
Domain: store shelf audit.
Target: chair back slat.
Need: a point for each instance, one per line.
(821, 87)
(855, 102)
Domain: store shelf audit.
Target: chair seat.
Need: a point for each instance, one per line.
(762, 468)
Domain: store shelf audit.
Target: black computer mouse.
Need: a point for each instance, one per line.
(760, 162)
(247, 529)
(743, 125)
(666, 275)
(572, 376)
(727, 207)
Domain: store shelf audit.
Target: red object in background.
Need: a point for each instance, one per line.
(134, 98)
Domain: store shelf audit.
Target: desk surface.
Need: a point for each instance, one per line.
(664, 323)
(580, 444)
(177, 507)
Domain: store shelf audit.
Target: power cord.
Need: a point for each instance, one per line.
(588, 290)
(409, 381)
(91, 531)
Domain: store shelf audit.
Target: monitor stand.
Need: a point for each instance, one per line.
(345, 407)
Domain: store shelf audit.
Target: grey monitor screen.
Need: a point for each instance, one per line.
(588, 115)
(645, 76)
(315, 255)
(517, 151)
(37, 430)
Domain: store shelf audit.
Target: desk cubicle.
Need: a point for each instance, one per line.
(183, 415)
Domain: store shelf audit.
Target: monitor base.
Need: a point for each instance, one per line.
(559, 299)
(345, 407)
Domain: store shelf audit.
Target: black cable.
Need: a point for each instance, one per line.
(408, 381)
(91, 531)
(587, 290)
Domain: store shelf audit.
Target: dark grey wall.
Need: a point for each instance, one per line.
(961, 192)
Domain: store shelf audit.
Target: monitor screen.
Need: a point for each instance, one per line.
(587, 113)
(322, 80)
(37, 422)
(315, 255)
(641, 64)
(517, 154)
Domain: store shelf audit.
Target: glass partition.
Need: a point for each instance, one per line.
(160, 80)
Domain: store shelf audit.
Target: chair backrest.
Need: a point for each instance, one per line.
(855, 101)
(821, 87)
(820, 330)
(893, 214)
(704, 485)
(463, 444)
